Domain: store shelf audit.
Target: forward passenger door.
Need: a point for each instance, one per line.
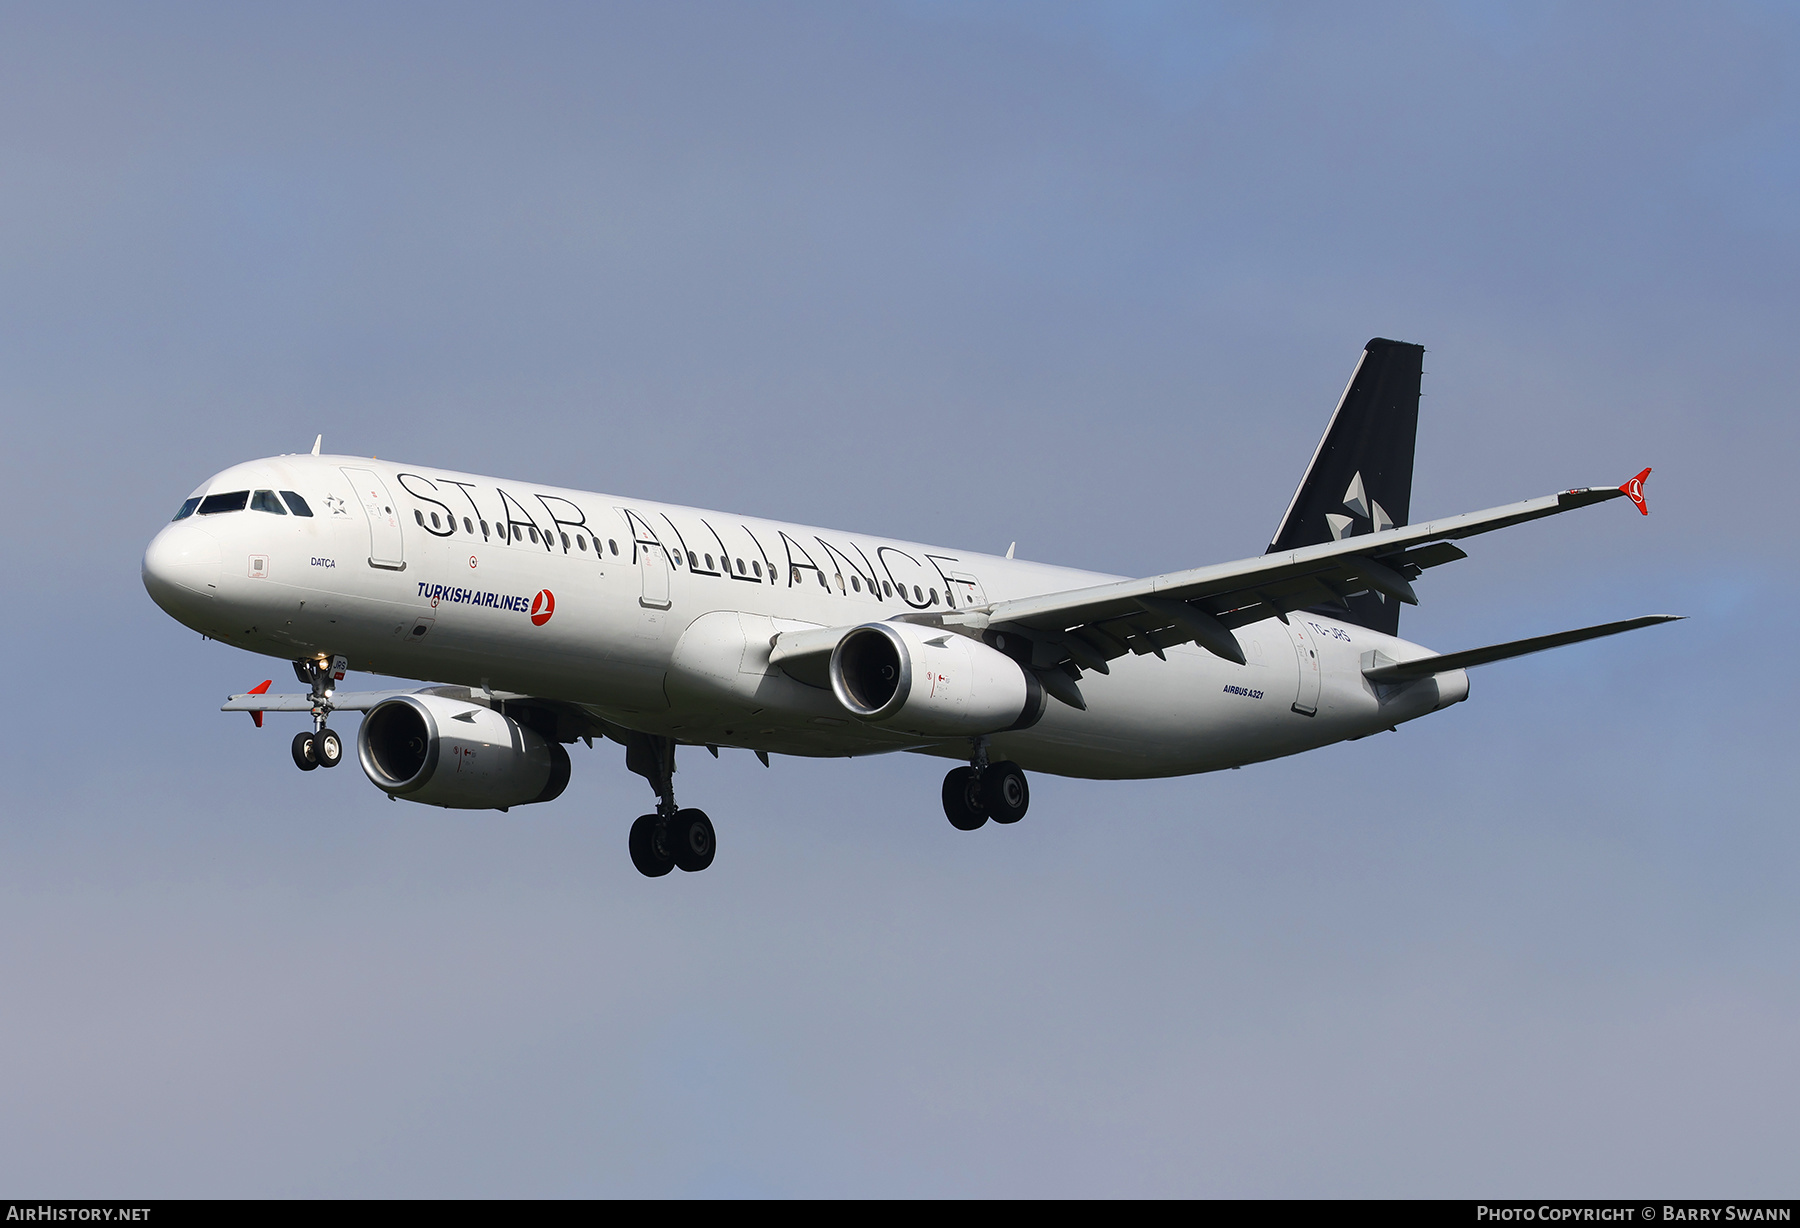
(386, 548)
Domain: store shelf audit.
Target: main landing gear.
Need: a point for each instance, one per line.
(322, 747)
(670, 839)
(983, 791)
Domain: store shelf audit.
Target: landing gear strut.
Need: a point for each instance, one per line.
(322, 747)
(670, 838)
(983, 791)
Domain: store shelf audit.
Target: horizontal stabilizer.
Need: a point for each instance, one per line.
(1425, 667)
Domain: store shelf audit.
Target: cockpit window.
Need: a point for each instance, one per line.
(296, 504)
(232, 501)
(187, 509)
(265, 501)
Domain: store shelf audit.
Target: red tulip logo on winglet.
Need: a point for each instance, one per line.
(1634, 490)
(542, 607)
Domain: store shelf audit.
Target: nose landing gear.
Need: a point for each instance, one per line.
(669, 839)
(983, 791)
(322, 747)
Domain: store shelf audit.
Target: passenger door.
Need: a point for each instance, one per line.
(1306, 654)
(386, 549)
(654, 565)
(966, 588)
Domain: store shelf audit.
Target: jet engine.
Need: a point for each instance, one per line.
(448, 752)
(933, 682)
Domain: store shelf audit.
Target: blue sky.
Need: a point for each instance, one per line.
(1084, 277)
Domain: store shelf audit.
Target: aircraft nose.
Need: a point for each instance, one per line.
(181, 569)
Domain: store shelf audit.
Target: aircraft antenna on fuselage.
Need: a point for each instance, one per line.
(317, 440)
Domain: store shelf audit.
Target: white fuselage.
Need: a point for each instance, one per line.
(659, 619)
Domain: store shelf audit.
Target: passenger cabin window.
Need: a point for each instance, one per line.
(187, 509)
(435, 523)
(296, 504)
(233, 501)
(755, 567)
(612, 545)
(265, 501)
(467, 527)
(565, 539)
(855, 584)
(419, 516)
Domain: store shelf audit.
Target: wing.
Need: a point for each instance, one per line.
(1085, 628)
(342, 701)
(553, 718)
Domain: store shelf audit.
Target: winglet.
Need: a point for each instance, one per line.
(1634, 490)
(259, 690)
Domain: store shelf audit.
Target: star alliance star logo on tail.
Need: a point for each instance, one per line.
(1360, 506)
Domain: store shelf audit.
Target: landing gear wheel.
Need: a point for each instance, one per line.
(303, 752)
(328, 748)
(962, 799)
(691, 840)
(1004, 792)
(650, 848)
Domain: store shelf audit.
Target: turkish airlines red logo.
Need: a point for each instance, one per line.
(1634, 490)
(542, 607)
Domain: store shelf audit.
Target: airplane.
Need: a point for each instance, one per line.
(541, 616)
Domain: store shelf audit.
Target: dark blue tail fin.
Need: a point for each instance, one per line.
(1360, 479)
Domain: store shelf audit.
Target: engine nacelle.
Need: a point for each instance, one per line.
(448, 752)
(929, 681)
